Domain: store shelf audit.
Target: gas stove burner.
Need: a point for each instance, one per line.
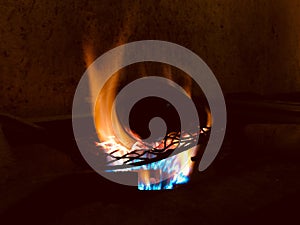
(141, 153)
(158, 138)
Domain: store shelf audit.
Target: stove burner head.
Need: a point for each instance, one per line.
(152, 163)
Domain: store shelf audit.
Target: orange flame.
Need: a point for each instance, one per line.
(107, 117)
(105, 114)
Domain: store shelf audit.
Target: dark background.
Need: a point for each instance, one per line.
(253, 48)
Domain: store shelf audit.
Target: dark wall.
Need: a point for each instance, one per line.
(251, 46)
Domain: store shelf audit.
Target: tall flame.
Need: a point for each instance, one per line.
(103, 124)
(179, 166)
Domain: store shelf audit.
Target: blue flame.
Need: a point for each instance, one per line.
(171, 166)
(165, 185)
